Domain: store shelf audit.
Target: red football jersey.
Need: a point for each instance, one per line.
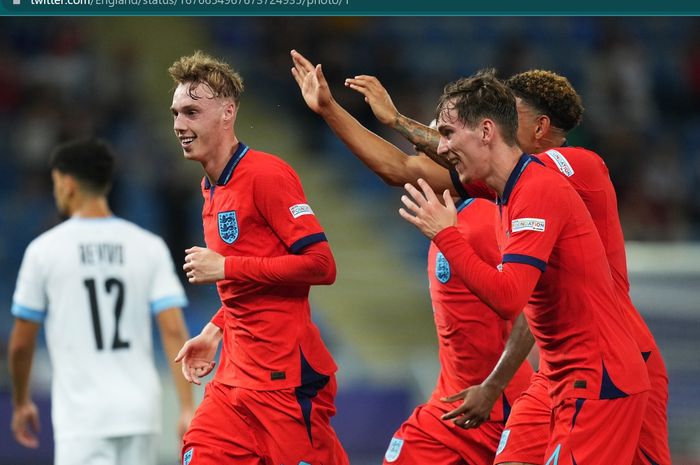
(258, 209)
(587, 173)
(471, 337)
(585, 346)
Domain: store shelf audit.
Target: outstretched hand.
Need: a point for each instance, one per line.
(197, 357)
(376, 96)
(427, 213)
(312, 83)
(476, 408)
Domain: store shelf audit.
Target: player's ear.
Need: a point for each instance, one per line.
(487, 130)
(70, 185)
(230, 112)
(542, 126)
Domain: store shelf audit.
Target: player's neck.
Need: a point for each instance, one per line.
(214, 165)
(503, 165)
(553, 140)
(91, 207)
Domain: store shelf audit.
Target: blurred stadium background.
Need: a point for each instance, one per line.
(639, 78)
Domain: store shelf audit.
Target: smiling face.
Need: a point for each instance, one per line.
(463, 147)
(201, 121)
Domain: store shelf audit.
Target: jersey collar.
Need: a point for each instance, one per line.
(227, 173)
(524, 160)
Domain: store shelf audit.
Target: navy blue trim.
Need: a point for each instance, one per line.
(506, 408)
(645, 355)
(608, 390)
(459, 187)
(651, 461)
(311, 383)
(464, 204)
(526, 260)
(523, 161)
(306, 241)
(579, 404)
(226, 174)
(573, 460)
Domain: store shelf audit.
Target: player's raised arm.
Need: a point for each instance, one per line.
(390, 163)
(423, 137)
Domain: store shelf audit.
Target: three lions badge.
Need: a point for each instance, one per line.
(228, 226)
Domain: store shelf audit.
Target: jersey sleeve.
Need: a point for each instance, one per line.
(535, 220)
(281, 201)
(30, 301)
(219, 318)
(166, 290)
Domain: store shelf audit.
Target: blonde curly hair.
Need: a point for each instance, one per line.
(200, 68)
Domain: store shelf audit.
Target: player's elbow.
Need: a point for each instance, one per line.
(393, 179)
(171, 324)
(18, 350)
(326, 274)
(321, 270)
(509, 312)
(508, 309)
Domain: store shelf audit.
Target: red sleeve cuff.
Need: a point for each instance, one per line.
(449, 237)
(229, 267)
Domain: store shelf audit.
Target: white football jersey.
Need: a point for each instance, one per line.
(96, 283)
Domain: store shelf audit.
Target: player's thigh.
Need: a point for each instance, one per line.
(596, 432)
(526, 435)
(653, 438)
(85, 451)
(293, 425)
(219, 434)
(425, 438)
(139, 448)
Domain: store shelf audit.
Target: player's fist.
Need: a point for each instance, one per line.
(203, 266)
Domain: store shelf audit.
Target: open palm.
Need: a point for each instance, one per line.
(312, 83)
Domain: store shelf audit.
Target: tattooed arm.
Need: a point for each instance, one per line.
(423, 137)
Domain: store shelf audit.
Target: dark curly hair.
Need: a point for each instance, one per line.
(480, 96)
(89, 160)
(550, 94)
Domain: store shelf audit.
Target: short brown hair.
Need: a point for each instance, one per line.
(551, 95)
(201, 68)
(480, 96)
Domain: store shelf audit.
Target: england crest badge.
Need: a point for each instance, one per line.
(228, 227)
(187, 458)
(442, 268)
(392, 453)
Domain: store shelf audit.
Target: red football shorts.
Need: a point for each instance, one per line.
(526, 434)
(426, 439)
(653, 439)
(244, 427)
(596, 432)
